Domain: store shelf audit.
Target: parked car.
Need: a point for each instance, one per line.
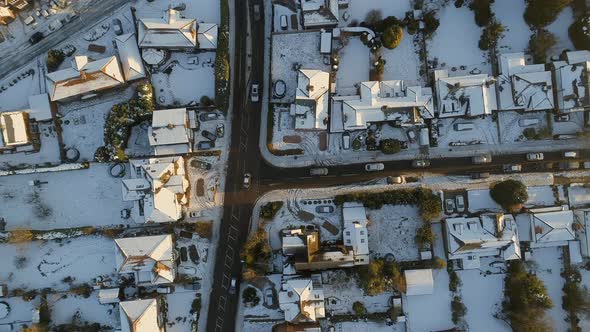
(460, 203)
(569, 165)
(247, 180)
(220, 130)
(36, 37)
(209, 135)
(562, 117)
(420, 163)
(205, 145)
(233, 286)
(512, 168)
(29, 20)
(528, 122)
(411, 136)
(201, 164)
(482, 159)
(254, 93)
(283, 22)
(208, 116)
(374, 167)
(449, 205)
(117, 26)
(268, 298)
(463, 126)
(318, 171)
(395, 179)
(570, 154)
(324, 209)
(165, 289)
(535, 156)
(346, 140)
(482, 175)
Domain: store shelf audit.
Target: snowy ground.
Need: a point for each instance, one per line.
(186, 83)
(48, 153)
(517, 32)
(560, 29)
(16, 97)
(481, 201)
(401, 63)
(354, 65)
(179, 303)
(295, 48)
(357, 9)
(585, 320)
(264, 311)
(392, 230)
(363, 326)
(47, 263)
(64, 307)
(510, 126)
(89, 197)
(485, 131)
(549, 265)
(284, 130)
(574, 126)
(578, 195)
(341, 290)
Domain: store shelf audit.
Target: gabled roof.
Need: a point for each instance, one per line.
(207, 36)
(84, 77)
(130, 58)
(311, 99)
(172, 31)
(302, 299)
(139, 316)
(169, 128)
(464, 96)
(572, 78)
(319, 12)
(152, 254)
(553, 226)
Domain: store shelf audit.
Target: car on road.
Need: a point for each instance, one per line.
(247, 180)
(570, 154)
(460, 203)
(205, 145)
(117, 26)
(324, 209)
(208, 116)
(535, 156)
(318, 171)
(36, 37)
(233, 286)
(374, 167)
(482, 159)
(482, 175)
(220, 130)
(254, 93)
(395, 179)
(209, 135)
(449, 205)
(562, 118)
(512, 168)
(420, 163)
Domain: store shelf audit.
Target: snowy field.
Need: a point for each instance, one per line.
(179, 303)
(186, 82)
(88, 197)
(16, 97)
(574, 126)
(401, 63)
(510, 127)
(357, 9)
(354, 66)
(64, 307)
(341, 290)
(392, 230)
(560, 29)
(485, 131)
(482, 295)
(20, 312)
(290, 49)
(517, 33)
(47, 263)
(363, 326)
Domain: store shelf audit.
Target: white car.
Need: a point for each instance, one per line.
(570, 154)
(535, 156)
(374, 167)
(460, 203)
(254, 93)
(247, 180)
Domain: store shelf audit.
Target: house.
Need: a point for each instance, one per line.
(419, 282)
(464, 96)
(150, 259)
(582, 217)
(522, 86)
(141, 316)
(467, 239)
(175, 32)
(40, 108)
(158, 189)
(355, 231)
(15, 128)
(17, 4)
(6, 15)
(84, 79)
(170, 133)
(382, 101)
(129, 56)
(311, 99)
(319, 13)
(302, 299)
(571, 81)
(546, 227)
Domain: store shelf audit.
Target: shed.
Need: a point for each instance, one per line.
(108, 295)
(325, 42)
(575, 252)
(419, 282)
(40, 108)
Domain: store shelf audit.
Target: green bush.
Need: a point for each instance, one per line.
(490, 35)
(256, 253)
(250, 296)
(431, 23)
(509, 193)
(359, 308)
(389, 146)
(222, 66)
(392, 36)
(270, 209)
(389, 21)
(540, 13)
(483, 12)
(541, 42)
(438, 263)
(458, 310)
(454, 282)
(380, 276)
(579, 33)
(54, 59)
(424, 236)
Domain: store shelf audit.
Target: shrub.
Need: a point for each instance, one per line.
(431, 23)
(483, 12)
(490, 35)
(196, 306)
(256, 252)
(392, 36)
(454, 282)
(438, 263)
(541, 41)
(458, 310)
(20, 262)
(111, 232)
(270, 209)
(206, 101)
(250, 296)
(509, 193)
(389, 21)
(222, 66)
(359, 308)
(380, 276)
(540, 13)
(389, 146)
(83, 290)
(579, 33)
(459, 3)
(20, 235)
(204, 229)
(54, 59)
(373, 18)
(424, 236)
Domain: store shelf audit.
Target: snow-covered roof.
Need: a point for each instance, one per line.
(139, 316)
(553, 226)
(153, 56)
(311, 99)
(149, 257)
(522, 86)
(169, 131)
(317, 13)
(384, 101)
(302, 299)
(572, 81)
(172, 31)
(207, 36)
(39, 107)
(488, 235)
(464, 96)
(84, 77)
(419, 282)
(354, 212)
(108, 295)
(6, 12)
(583, 234)
(130, 58)
(15, 129)
(355, 233)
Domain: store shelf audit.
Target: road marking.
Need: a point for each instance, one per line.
(225, 281)
(221, 304)
(219, 324)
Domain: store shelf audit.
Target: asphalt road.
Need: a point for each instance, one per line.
(93, 13)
